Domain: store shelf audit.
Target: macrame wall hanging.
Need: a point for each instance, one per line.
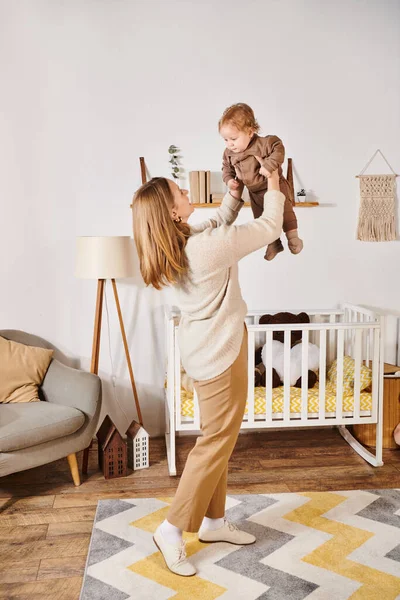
(377, 216)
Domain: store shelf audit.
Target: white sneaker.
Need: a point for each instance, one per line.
(227, 533)
(174, 556)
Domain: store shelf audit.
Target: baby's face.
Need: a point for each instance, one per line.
(235, 140)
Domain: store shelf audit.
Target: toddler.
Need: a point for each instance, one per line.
(245, 153)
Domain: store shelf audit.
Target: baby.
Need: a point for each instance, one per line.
(245, 153)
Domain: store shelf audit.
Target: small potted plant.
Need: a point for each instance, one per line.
(301, 195)
(174, 161)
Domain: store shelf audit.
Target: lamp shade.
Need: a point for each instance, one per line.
(107, 257)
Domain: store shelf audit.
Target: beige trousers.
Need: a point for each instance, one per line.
(202, 488)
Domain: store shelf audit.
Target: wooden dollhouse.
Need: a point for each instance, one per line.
(112, 448)
(138, 446)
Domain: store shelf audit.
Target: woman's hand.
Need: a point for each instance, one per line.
(273, 178)
(233, 184)
(237, 191)
(263, 171)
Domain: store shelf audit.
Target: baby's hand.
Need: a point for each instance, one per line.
(263, 171)
(233, 184)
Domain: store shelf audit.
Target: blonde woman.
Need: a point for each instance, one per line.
(201, 263)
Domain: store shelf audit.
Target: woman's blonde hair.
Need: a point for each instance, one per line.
(241, 116)
(160, 241)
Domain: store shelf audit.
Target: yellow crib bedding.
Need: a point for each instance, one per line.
(187, 407)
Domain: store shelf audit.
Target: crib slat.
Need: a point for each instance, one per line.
(357, 372)
(170, 365)
(374, 334)
(347, 318)
(196, 424)
(331, 339)
(177, 363)
(349, 333)
(339, 380)
(357, 319)
(304, 375)
(368, 345)
(268, 378)
(379, 348)
(286, 379)
(322, 372)
(364, 319)
(250, 383)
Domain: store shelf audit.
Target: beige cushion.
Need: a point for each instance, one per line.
(22, 370)
(36, 423)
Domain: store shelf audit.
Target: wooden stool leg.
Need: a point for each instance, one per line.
(73, 465)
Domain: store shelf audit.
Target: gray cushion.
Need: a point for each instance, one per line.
(26, 425)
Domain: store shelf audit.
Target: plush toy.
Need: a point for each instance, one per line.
(278, 353)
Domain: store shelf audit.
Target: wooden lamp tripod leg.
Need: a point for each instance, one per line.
(128, 360)
(94, 368)
(97, 327)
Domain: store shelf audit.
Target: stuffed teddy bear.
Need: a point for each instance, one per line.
(278, 353)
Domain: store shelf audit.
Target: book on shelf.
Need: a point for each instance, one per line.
(217, 196)
(194, 187)
(199, 183)
(202, 187)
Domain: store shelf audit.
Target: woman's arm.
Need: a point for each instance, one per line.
(266, 229)
(226, 214)
(227, 245)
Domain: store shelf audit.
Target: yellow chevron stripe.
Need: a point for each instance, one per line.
(151, 522)
(332, 554)
(186, 588)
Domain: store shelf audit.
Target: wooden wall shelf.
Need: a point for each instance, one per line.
(216, 204)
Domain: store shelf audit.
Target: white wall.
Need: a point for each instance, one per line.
(88, 86)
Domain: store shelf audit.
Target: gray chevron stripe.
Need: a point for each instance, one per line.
(245, 560)
(109, 508)
(97, 590)
(383, 508)
(104, 545)
(250, 505)
(394, 554)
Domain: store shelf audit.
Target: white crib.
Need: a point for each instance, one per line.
(349, 331)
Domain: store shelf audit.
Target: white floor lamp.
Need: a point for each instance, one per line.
(102, 258)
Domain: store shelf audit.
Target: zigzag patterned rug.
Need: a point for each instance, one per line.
(319, 546)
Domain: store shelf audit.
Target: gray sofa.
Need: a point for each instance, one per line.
(63, 423)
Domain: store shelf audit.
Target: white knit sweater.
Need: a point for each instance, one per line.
(212, 308)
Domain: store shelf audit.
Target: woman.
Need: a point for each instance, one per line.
(201, 262)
